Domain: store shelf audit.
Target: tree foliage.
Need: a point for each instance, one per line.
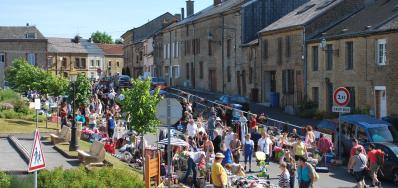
(140, 107)
(101, 37)
(81, 90)
(23, 77)
(119, 41)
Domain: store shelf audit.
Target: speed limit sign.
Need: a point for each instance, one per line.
(341, 96)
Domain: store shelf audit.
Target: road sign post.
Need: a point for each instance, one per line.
(341, 98)
(37, 161)
(169, 111)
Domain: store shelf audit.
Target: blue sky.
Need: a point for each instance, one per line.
(66, 18)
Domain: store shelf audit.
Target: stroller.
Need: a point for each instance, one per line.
(264, 166)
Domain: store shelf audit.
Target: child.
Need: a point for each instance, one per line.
(248, 147)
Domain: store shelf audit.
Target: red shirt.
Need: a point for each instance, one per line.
(325, 145)
(354, 149)
(372, 156)
(253, 123)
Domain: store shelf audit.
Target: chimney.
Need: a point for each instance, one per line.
(216, 2)
(182, 13)
(190, 8)
(76, 39)
(177, 17)
(27, 24)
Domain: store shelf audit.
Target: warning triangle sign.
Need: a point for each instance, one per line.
(36, 161)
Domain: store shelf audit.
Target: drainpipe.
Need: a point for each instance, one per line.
(305, 65)
(222, 52)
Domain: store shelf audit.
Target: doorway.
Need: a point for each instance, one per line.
(212, 80)
(269, 81)
(380, 101)
(238, 82)
(244, 89)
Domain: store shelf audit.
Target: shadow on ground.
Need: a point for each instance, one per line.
(19, 122)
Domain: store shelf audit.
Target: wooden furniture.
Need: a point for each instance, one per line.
(61, 136)
(95, 155)
(152, 169)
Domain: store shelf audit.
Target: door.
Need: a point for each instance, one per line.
(273, 81)
(244, 89)
(238, 82)
(380, 102)
(192, 75)
(269, 81)
(212, 80)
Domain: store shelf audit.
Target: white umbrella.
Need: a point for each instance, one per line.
(173, 142)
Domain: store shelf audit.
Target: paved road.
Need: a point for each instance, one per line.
(10, 160)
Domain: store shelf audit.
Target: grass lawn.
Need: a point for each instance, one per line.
(23, 126)
(83, 145)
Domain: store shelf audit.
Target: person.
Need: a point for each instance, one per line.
(200, 127)
(80, 118)
(227, 155)
(211, 125)
(294, 134)
(110, 124)
(373, 164)
(305, 172)
(358, 165)
(235, 148)
(63, 111)
(92, 119)
(265, 145)
(199, 139)
(355, 146)
(193, 159)
(229, 115)
(229, 136)
(284, 177)
(248, 147)
(243, 126)
(207, 144)
(325, 145)
(299, 149)
(309, 136)
(218, 174)
(255, 136)
(191, 128)
(253, 123)
(217, 142)
(192, 145)
(291, 166)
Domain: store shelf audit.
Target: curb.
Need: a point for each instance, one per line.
(19, 147)
(63, 153)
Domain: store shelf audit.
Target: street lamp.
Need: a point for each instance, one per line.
(73, 144)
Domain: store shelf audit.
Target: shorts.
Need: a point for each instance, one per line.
(359, 176)
(374, 168)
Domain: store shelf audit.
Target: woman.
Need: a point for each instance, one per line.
(110, 124)
(248, 148)
(358, 165)
(228, 155)
(306, 173)
(284, 177)
(291, 166)
(92, 119)
(243, 126)
(207, 144)
(299, 149)
(310, 135)
(235, 148)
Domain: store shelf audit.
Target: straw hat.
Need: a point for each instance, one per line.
(220, 155)
(218, 119)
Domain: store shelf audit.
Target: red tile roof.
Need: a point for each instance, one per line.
(112, 49)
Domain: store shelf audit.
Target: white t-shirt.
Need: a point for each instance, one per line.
(93, 118)
(201, 129)
(191, 129)
(264, 144)
(250, 142)
(195, 156)
(243, 120)
(228, 138)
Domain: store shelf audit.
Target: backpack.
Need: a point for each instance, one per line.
(379, 157)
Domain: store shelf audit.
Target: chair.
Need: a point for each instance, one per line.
(61, 136)
(95, 155)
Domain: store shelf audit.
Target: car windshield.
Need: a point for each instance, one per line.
(125, 78)
(381, 134)
(239, 99)
(394, 150)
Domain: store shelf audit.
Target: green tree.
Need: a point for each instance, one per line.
(101, 37)
(81, 90)
(119, 41)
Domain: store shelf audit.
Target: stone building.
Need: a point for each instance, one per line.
(359, 54)
(283, 52)
(71, 56)
(21, 41)
(114, 60)
(134, 40)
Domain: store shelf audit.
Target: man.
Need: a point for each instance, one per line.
(294, 134)
(306, 173)
(218, 174)
(265, 145)
(217, 142)
(355, 146)
(374, 165)
(229, 136)
(191, 128)
(211, 125)
(193, 159)
(324, 145)
(243, 126)
(358, 165)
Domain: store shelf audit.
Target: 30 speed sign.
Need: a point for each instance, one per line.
(341, 96)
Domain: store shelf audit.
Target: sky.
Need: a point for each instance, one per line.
(66, 18)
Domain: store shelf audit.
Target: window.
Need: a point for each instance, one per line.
(77, 63)
(229, 48)
(288, 81)
(315, 95)
(30, 35)
(187, 30)
(250, 75)
(92, 63)
(164, 51)
(166, 71)
(361, 134)
(177, 49)
(109, 63)
(228, 74)
(201, 70)
(31, 57)
(98, 63)
(210, 53)
(83, 63)
(349, 50)
(187, 70)
(176, 71)
(329, 57)
(141, 55)
(265, 49)
(381, 52)
(287, 43)
(279, 60)
(117, 64)
(188, 43)
(315, 64)
(63, 62)
(2, 58)
(352, 97)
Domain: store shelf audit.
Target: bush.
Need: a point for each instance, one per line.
(5, 180)
(80, 177)
(9, 95)
(21, 106)
(10, 114)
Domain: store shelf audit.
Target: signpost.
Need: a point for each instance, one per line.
(169, 111)
(341, 98)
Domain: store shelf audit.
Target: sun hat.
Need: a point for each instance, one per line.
(220, 155)
(218, 119)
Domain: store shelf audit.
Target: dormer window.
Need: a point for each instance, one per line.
(30, 35)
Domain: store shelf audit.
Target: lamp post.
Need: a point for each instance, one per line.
(73, 144)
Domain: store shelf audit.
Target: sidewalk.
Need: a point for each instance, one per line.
(274, 113)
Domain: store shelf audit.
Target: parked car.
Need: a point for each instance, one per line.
(389, 169)
(123, 81)
(158, 82)
(393, 120)
(230, 100)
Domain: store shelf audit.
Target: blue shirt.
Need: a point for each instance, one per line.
(304, 173)
(228, 158)
(111, 123)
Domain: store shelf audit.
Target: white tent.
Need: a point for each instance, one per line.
(173, 142)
